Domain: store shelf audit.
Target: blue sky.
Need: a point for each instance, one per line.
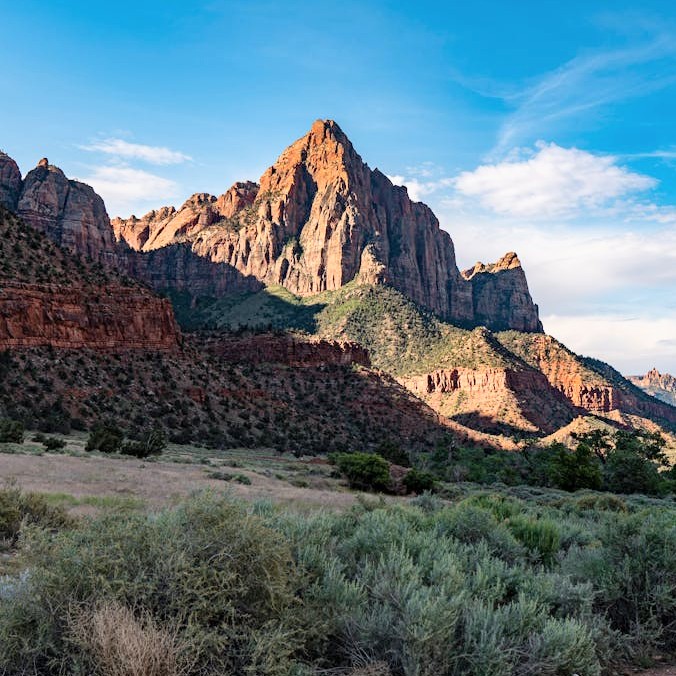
(542, 127)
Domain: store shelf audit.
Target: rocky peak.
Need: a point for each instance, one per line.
(70, 213)
(510, 261)
(319, 218)
(10, 182)
(240, 196)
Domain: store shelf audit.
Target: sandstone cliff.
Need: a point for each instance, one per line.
(105, 318)
(290, 350)
(589, 384)
(49, 299)
(321, 218)
(70, 213)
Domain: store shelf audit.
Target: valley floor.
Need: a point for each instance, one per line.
(87, 482)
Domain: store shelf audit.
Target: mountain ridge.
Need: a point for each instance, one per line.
(320, 218)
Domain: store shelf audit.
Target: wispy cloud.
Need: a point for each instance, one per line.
(584, 83)
(123, 188)
(121, 149)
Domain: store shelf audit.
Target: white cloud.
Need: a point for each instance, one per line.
(124, 150)
(553, 182)
(417, 189)
(124, 188)
(632, 344)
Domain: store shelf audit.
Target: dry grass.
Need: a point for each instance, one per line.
(373, 669)
(121, 644)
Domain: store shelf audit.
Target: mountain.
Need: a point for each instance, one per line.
(333, 255)
(660, 385)
(321, 218)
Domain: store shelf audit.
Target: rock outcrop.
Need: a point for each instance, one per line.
(70, 213)
(504, 401)
(588, 384)
(500, 296)
(289, 350)
(321, 218)
(660, 385)
(10, 182)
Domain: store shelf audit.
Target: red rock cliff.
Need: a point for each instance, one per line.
(106, 318)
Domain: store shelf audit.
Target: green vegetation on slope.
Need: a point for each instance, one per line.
(401, 337)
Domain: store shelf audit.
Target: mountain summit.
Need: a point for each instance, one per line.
(320, 218)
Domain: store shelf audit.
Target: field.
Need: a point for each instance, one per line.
(490, 580)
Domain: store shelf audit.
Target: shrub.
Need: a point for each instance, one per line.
(364, 471)
(11, 431)
(207, 573)
(19, 509)
(540, 536)
(417, 481)
(152, 443)
(116, 643)
(106, 438)
(54, 444)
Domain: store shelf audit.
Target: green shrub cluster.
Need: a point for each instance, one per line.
(109, 438)
(492, 585)
(623, 462)
(364, 471)
(11, 431)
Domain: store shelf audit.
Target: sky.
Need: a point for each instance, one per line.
(542, 127)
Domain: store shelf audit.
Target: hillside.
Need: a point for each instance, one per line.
(507, 384)
(83, 344)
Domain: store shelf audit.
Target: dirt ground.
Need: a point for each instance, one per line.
(156, 483)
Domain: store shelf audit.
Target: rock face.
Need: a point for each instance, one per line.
(108, 318)
(497, 400)
(596, 388)
(70, 213)
(321, 218)
(10, 182)
(660, 385)
(500, 295)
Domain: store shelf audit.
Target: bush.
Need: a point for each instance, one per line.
(116, 643)
(540, 537)
(54, 444)
(152, 443)
(418, 482)
(11, 431)
(106, 438)
(364, 471)
(208, 574)
(19, 509)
